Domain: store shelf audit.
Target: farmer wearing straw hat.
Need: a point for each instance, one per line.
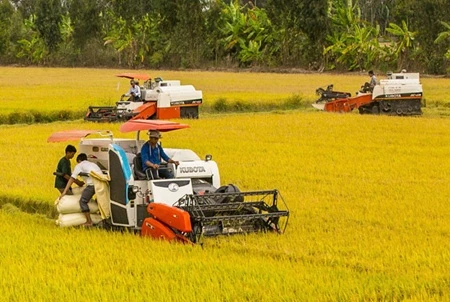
(151, 154)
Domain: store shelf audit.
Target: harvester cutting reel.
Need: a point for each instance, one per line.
(328, 94)
(214, 214)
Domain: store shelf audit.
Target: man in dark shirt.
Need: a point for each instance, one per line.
(64, 170)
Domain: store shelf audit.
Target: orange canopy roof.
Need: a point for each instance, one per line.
(73, 135)
(130, 75)
(161, 125)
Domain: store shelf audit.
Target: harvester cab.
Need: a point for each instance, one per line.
(185, 208)
(399, 94)
(160, 99)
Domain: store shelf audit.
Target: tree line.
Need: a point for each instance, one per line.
(315, 35)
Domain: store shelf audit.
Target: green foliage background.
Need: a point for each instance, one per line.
(190, 34)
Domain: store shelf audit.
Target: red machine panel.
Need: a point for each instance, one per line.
(155, 229)
(171, 216)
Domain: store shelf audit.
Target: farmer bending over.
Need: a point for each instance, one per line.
(84, 166)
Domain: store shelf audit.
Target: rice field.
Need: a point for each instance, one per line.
(56, 89)
(368, 197)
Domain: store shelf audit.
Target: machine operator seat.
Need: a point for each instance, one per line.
(137, 168)
(147, 175)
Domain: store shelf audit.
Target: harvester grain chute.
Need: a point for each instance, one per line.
(399, 94)
(185, 208)
(159, 99)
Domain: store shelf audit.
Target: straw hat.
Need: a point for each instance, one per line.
(154, 133)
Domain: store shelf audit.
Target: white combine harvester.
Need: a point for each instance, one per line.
(159, 100)
(190, 205)
(399, 94)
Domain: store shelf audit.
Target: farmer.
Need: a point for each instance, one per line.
(151, 154)
(373, 80)
(64, 170)
(368, 86)
(84, 166)
(134, 93)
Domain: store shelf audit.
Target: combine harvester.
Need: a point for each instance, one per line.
(191, 205)
(159, 100)
(399, 94)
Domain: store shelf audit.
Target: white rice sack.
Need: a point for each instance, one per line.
(76, 190)
(74, 219)
(71, 204)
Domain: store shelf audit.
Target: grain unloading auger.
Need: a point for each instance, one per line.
(400, 94)
(159, 99)
(185, 208)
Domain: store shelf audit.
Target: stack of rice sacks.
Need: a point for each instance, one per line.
(70, 212)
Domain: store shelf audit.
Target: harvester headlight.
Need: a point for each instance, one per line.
(208, 157)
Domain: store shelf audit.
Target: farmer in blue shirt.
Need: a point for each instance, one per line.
(151, 154)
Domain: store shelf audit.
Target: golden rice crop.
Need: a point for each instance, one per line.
(368, 197)
(54, 89)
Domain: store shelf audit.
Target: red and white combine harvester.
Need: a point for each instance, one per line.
(159, 100)
(399, 94)
(185, 208)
